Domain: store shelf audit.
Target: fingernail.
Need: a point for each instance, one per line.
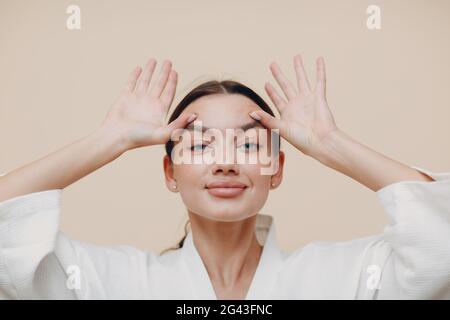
(192, 117)
(150, 63)
(254, 115)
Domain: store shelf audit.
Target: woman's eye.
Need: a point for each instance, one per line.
(251, 146)
(247, 146)
(195, 147)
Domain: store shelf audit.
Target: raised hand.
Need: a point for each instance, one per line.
(306, 118)
(139, 113)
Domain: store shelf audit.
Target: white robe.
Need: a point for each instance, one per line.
(410, 259)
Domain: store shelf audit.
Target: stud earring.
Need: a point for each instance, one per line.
(175, 186)
(273, 184)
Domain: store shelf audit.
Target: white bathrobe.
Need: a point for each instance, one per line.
(410, 259)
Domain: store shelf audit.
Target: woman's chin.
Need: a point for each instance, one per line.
(226, 216)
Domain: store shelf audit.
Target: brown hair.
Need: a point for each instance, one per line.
(209, 88)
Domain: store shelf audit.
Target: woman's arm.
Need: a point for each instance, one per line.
(412, 256)
(63, 167)
(36, 259)
(308, 124)
(135, 120)
(342, 153)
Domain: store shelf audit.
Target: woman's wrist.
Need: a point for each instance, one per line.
(329, 151)
(113, 138)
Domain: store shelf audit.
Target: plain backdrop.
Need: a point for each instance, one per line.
(387, 88)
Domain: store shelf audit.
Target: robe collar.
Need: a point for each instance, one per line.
(265, 276)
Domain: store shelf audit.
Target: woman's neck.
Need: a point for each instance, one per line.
(230, 250)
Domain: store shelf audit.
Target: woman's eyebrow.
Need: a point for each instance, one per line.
(244, 127)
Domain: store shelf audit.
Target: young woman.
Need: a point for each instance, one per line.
(231, 250)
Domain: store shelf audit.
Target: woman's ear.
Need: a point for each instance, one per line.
(278, 176)
(171, 183)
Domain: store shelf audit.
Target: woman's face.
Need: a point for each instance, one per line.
(199, 180)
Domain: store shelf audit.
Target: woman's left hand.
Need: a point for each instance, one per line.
(306, 119)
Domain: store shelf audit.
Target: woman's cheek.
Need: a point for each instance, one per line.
(259, 183)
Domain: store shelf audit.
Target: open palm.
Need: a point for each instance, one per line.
(139, 114)
(306, 118)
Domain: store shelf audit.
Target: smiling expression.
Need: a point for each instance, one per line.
(228, 190)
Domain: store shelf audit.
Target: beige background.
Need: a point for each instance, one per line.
(388, 89)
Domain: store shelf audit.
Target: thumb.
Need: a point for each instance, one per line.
(267, 120)
(180, 122)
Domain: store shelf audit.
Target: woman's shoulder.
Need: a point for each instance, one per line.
(337, 251)
(115, 253)
(101, 254)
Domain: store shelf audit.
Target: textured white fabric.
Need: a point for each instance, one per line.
(410, 259)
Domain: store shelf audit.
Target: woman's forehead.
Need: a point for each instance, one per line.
(219, 110)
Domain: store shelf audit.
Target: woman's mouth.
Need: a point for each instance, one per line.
(224, 189)
(225, 192)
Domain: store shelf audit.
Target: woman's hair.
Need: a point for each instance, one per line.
(210, 88)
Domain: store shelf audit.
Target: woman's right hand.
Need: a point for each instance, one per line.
(139, 114)
(136, 119)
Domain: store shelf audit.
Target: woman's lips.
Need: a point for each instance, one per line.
(225, 189)
(225, 192)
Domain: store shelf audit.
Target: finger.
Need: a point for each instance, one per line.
(146, 76)
(182, 121)
(302, 78)
(321, 77)
(162, 80)
(277, 100)
(268, 120)
(174, 130)
(132, 79)
(284, 83)
(169, 92)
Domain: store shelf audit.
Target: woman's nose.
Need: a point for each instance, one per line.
(225, 168)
